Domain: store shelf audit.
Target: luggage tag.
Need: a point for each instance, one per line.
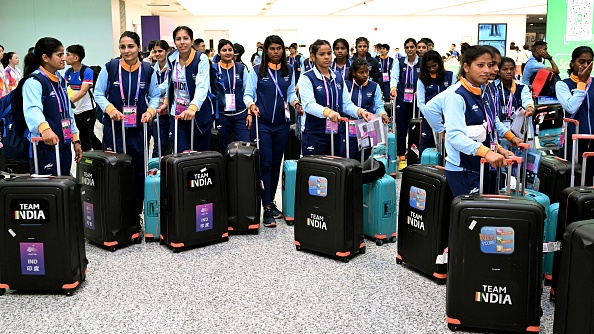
(408, 95)
(386, 77)
(130, 113)
(229, 102)
(66, 130)
(352, 129)
(181, 104)
(331, 127)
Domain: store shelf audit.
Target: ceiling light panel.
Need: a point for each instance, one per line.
(490, 6)
(309, 7)
(226, 8)
(395, 8)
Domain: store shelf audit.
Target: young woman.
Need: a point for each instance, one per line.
(512, 96)
(341, 62)
(325, 106)
(364, 94)
(405, 74)
(295, 60)
(13, 74)
(3, 81)
(269, 90)
(385, 68)
(234, 120)
(473, 128)
(422, 47)
(576, 95)
(160, 55)
(309, 63)
(50, 117)
(362, 47)
(187, 93)
(127, 91)
(433, 80)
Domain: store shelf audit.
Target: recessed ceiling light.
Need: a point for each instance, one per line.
(531, 24)
(540, 18)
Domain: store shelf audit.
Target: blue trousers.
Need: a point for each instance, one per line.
(201, 139)
(354, 152)
(232, 125)
(427, 140)
(46, 158)
(319, 144)
(404, 113)
(468, 182)
(385, 88)
(273, 139)
(163, 121)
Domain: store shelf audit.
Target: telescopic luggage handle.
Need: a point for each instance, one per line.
(34, 141)
(177, 117)
(564, 134)
(258, 134)
(585, 155)
(341, 119)
(509, 163)
(113, 138)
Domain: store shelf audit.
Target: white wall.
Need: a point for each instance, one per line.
(390, 29)
(133, 14)
(22, 23)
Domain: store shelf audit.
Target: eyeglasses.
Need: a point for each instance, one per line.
(409, 47)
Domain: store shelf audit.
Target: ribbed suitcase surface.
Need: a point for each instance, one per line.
(288, 189)
(379, 210)
(242, 161)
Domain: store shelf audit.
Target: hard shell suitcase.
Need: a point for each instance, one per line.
(433, 155)
(193, 199)
(330, 195)
(379, 210)
(553, 176)
(425, 199)
(42, 246)
(107, 192)
(289, 179)
(293, 148)
(152, 193)
(574, 309)
(242, 163)
(550, 235)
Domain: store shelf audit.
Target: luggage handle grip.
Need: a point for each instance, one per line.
(34, 141)
(571, 120)
(176, 118)
(576, 137)
(113, 137)
(508, 162)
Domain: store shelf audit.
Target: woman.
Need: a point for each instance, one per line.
(422, 47)
(187, 97)
(160, 55)
(473, 128)
(513, 96)
(433, 79)
(341, 62)
(362, 46)
(403, 79)
(127, 92)
(47, 109)
(385, 66)
(325, 106)
(269, 90)
(3, 81)
(364, 94)
(576, 95)
(13, 74)
(234, 121)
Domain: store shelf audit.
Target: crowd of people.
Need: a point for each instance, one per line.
(171, 88)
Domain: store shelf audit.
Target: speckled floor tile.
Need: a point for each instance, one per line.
(251, 284)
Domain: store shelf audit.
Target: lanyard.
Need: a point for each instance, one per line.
(232, 88)
(162, 77)
(511, 97)
(490, 120)
(328, 93)
(387, 66)
(177, 78)
(360, 97)
(59, 96)
(137, 83)
(342, 70)
(276, 84)
(411, 75)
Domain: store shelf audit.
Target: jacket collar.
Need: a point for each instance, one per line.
(49, 75)
(469, 87)
(320, 76)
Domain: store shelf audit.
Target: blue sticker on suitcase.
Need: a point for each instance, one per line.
(318, 186)
(32, 259)
(497, 240)
(204, 215)
(417, 198)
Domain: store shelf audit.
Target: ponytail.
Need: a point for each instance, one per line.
(44, 46)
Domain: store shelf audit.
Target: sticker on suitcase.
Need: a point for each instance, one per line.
(318, 186)
(204, 214)
(202, 179)
(317, 221)
(417, 198)
(497, 240)
(89, 215)
(88, 179)
(32, 260)
(493, 294)
(30, 211)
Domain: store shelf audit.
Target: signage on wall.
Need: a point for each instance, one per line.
(494, 34)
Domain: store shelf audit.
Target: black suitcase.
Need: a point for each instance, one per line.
(330, 215)
(494, 265)
(423, 225)
(215, 139)
(107, 181)
(413, 156)
(42, 246)
(193, 199)
(293, 148)
(242, 162)
(574, 309)
(554, 175)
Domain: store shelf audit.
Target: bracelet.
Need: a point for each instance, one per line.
(77, 142)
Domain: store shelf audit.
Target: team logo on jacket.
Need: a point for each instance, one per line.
(493, 294)
(446, 84)
(317, 221)
(30, 211)
(369, 94)
(319, 88)
(202, 179)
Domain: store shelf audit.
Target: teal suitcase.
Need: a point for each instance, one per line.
(379, 210)
(550, 232)
(288, 190)
(153, 163)
(431, 156)
(152, 195)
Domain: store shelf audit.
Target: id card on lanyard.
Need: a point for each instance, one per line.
(230, 98)
(182, 98)
(130, 111)
(64, 111)
(490, 118)
(507, 109)
(286, 104)
(386, 74)
(409, 91)
(331, 127)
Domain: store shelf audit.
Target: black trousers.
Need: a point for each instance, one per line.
(85, 122)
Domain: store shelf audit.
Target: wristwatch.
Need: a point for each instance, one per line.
(77, 142)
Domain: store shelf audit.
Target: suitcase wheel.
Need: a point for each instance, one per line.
(2, 291)
(298, 248)
(346, 259)
(138, 240)
(379, 242)
(256, 231)
(398, 261)
(226, 238)
(440, 281)
(290, 222)
(112, 248)
(362, 250)
(176, 250)
(552, 297)
(393, 239)
(68, 292)
(453, 327)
